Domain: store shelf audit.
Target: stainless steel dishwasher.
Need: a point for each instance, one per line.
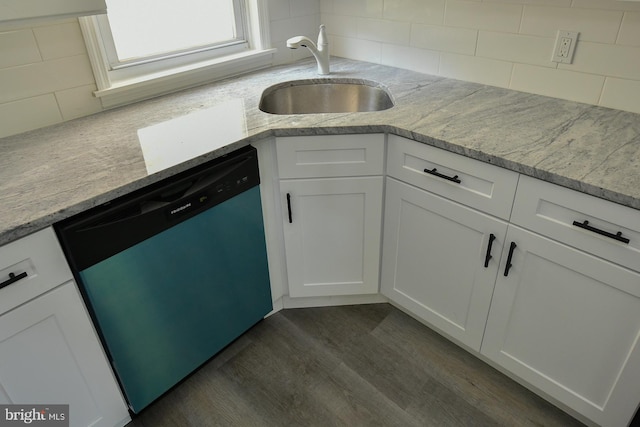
(173, 273)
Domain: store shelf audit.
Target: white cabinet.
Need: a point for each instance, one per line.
(332, 242)
(440, 260)
(558, 305)
(332, 209)
(568, 323)
(566, 317)
(482, 186)
(441, 247)
(49, 350)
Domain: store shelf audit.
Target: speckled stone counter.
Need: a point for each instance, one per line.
(52, 173)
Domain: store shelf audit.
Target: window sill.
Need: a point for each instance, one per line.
(128, 91)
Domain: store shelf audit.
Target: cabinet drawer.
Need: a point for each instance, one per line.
(330, 155)
(480, 185)
(40, 257)
(560, 213)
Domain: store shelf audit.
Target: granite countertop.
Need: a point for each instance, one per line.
(52, 173)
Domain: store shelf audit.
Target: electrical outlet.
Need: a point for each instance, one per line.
(565, 46)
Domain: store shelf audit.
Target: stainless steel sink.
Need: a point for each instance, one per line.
(325, 96)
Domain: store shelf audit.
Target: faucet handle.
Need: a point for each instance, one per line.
(322, 37)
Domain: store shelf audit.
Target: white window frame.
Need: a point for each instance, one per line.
(124, 84)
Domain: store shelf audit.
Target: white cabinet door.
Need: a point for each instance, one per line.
(433, 261)
(332, 233)
(50, 354)
(568, 323)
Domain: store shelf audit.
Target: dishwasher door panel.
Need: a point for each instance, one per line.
(169, 303)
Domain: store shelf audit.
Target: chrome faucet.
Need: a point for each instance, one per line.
(321, 52)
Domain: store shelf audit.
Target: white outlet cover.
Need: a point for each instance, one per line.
(568, 58)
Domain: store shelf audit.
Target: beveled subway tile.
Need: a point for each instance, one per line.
(60, 40)
(483, 16)
(556, 83)
(18, 48)
(78, 102)
(593, 25)
(516, 48)
(382, 30)
(415, 11)
(475, 69)
(444, 39)
(410, 58)
(630, 29)
(606, 60)
(363, 8)
(44, 77)
(621, 94)
(27, 114)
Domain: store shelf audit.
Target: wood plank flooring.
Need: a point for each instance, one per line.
(366, 365)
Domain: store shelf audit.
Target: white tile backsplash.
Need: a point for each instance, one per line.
(39, 78)
(606, 60)
(78, 101)
(594, 25)
(506, 43)
(410, 58)
(363, 8)
(475, 69)
(420, 11)
(279, 9)
(630, 30)
(606, 4)
(384, 31)
(59, 41)
(444, 39)
(564, 84)
(483, 16)
(29, 113)
(621, 94)
(18, 48)
(516, 48)
(362, 50)
(304, 7)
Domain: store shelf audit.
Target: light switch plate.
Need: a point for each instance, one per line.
(565, 46)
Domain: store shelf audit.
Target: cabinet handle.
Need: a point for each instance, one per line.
(509, 265)
(488, 256)
(618, 236)
(435, 172)
(289, 208)
(13, 278)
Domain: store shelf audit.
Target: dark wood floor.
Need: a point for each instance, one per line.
(361, 365)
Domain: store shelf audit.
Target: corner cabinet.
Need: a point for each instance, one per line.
(331, 193)
(49, 350)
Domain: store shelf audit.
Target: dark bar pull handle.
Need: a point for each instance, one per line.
(13, 278)
(289, 208)
(618, 236)
(488, 256)
(509, 258)
(435, 172)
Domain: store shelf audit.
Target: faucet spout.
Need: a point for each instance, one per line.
(319, 51)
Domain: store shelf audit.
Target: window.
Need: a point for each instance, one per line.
(148, 47)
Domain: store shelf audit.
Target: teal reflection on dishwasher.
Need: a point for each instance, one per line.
(169, 303)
